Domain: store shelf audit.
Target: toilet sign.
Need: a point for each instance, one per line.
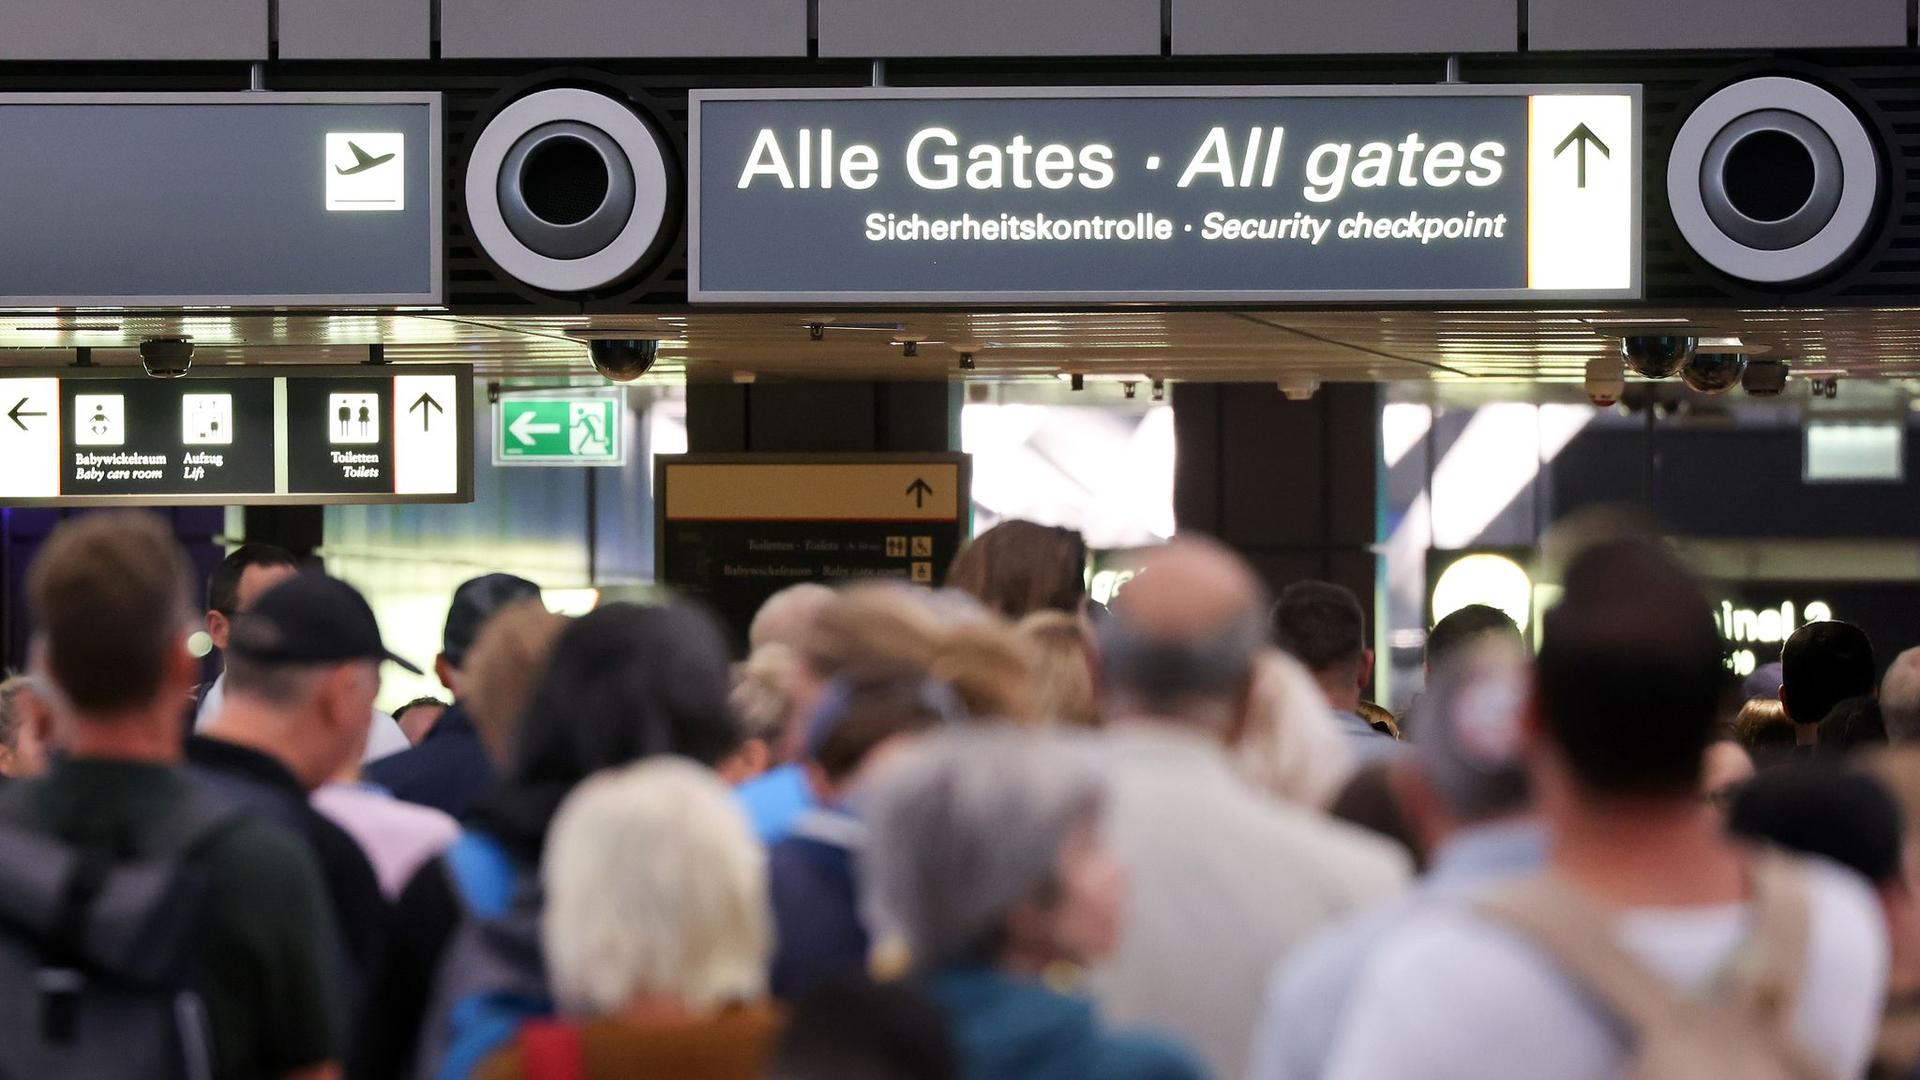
(562, 427)
(292, 435)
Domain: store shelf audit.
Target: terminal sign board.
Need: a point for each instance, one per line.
(314, 435)
(250, 198)
(734, 530)
(1214, 194)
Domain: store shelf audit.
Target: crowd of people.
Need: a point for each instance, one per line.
(992, 831)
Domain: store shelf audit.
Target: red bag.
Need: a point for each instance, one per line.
(550, 1050)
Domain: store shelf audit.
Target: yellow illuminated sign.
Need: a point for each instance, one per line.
(745, 491)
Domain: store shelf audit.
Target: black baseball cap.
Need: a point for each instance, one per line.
(476, 601)
(310, 618)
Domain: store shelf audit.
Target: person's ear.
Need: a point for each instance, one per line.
(817, 781)
(1244, 703)
(1029, 926)
(183, 668)
(444, 670)
(1533, 721)
(218, 627)
(1366, 671)
(745, 763)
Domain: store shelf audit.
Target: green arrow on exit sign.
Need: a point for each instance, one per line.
(570, 429)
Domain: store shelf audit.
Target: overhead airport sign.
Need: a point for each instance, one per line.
(734, 530)
(235, 199)
(560, 427)
(237, 436)
(1190, 194)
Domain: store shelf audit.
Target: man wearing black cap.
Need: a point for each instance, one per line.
(450, 769)
(303, 667)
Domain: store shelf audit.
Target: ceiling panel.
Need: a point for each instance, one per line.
(1329, 345)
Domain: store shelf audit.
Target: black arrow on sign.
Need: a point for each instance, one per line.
(426, 406)
(1584, 136)
(14, 414)
(919, 490)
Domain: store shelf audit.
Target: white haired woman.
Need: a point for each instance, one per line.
(984, 863)
(656, 934)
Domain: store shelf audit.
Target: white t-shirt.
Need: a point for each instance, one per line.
(1453, 994)
(384, 737)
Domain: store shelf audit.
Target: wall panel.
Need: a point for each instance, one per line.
(636, 28)
(355, 29)
(911, 28)
(1296, 27)
(133, 30)
(1715, 24)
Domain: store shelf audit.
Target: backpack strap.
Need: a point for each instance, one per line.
(191, 822)
(1766, 972)
(1556, 918)
(1763, 976)
(19, 803)
(552, 1050)
(483, 874)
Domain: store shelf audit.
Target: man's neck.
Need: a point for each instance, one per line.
(1341, 693)
(1806, 734)
(245, 722)
(150, 734)
(1646, 851)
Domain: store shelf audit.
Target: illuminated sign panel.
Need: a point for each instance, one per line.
(237, 436)
(733, 530)
(231, 199)
(1180, 194)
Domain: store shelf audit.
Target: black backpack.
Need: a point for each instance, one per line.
(96, 952)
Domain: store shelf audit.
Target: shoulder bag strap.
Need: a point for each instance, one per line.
(1556, 918)
(1768, 969)
(19, 803)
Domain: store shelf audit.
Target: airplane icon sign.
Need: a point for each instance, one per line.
(362, 161)
(366, 170)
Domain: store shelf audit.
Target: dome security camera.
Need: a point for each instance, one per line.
(1714, 372)
(1606, 380)
(622, 360)
(166, 358)
(1657, 356)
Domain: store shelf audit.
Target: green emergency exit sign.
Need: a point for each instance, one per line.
(561, 428)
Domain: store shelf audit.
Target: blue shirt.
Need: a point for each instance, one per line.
(1368, 744)
(774, 800)
(1311, 987)
(816, 903)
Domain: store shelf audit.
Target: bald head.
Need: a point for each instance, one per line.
(1184, 634)
(1189, 590)
(1900, 698)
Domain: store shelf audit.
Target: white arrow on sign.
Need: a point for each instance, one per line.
(524, 428)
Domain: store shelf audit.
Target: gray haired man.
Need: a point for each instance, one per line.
(1464, 790)
(1225, 879)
